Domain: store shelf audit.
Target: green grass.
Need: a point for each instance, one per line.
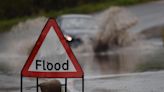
(94, 7)
(5, 25)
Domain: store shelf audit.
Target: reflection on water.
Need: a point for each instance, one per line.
(123, 61)
(104, 64)
(108, 63)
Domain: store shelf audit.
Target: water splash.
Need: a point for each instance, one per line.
(18, 43)
(114, 24)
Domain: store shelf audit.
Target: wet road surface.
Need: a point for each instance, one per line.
(137, 82)
(121, 61)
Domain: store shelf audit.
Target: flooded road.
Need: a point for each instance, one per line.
(142, 56)
(105, 65)
(120, 61)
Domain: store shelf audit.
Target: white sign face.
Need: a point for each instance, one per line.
(52, 56)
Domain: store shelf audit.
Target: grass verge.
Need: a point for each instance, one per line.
(6, 24)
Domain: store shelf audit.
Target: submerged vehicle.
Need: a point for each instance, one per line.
(76, 27)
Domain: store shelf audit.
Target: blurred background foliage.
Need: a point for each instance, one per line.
(11, 8)
(14, 11)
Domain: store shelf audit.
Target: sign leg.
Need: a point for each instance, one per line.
(21, 83)
(37, 84)
(65, 84)
(83, 83)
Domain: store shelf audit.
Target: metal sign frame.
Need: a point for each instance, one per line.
(37, 84)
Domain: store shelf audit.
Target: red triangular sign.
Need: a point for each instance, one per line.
(51, 56)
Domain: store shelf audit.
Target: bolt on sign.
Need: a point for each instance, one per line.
(52, 57)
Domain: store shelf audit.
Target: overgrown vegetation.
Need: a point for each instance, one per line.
(11, 12)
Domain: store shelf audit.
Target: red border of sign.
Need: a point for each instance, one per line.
(79, 72)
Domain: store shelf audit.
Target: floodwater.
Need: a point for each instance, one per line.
(15, 47)
(125, 60)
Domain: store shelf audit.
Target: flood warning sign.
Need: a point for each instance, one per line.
(52, 56)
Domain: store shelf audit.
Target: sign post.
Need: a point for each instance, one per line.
(51, 57)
